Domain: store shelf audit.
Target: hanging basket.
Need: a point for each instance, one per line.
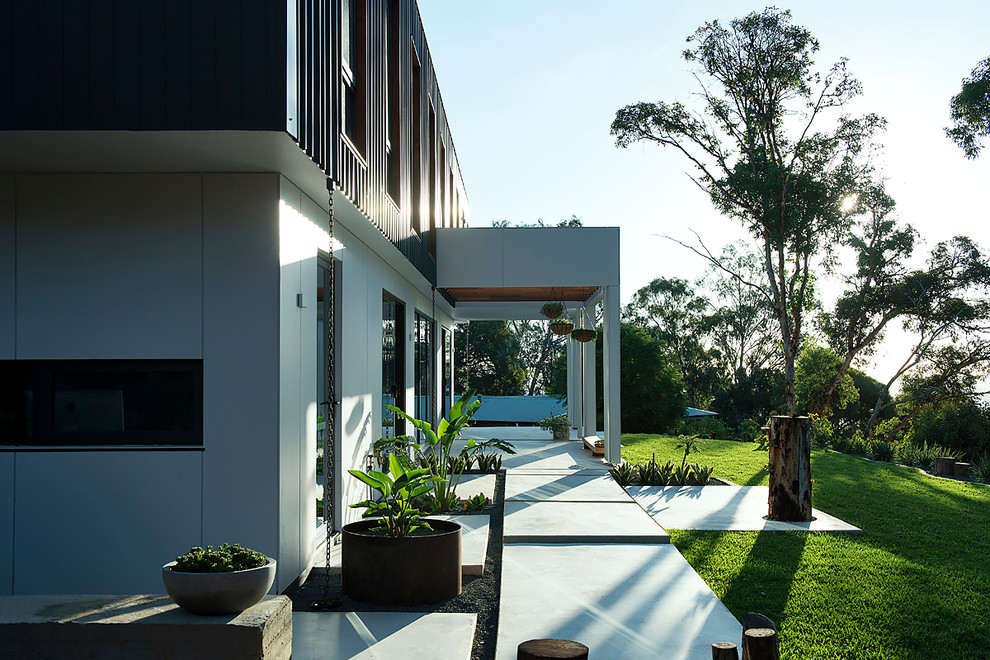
(583, 335)
(552, 310)
(561, 327)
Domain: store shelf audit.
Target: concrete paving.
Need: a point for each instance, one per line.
(551, 456)
(381, 636)
(474, 543)
(580, 522)
(622, 601)
(588, 486)
(733, 508)
(472, 484)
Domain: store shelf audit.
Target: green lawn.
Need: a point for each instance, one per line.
(916, 584)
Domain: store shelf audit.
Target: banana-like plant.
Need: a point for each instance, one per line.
(397, 489)
(436, 449)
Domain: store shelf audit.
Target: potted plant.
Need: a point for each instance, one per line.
(552, 310)
(436, 450)
(561, 326)
(584, 334)
(395, 557)
(227, 580)
(558, 424)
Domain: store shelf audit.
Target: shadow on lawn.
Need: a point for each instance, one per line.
(766, 576)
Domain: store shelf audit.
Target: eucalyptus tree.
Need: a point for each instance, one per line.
(764, 153)
(970, 111)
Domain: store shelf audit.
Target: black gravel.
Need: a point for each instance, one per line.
(479, 593)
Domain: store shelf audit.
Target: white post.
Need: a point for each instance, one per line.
(573, 385)
(588, 406)
(610, 375)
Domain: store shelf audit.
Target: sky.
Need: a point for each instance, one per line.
(530, 88)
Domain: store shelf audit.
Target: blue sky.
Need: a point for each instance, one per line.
(531, 87)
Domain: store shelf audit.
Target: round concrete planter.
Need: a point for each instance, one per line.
(415, 570)
(218, 593)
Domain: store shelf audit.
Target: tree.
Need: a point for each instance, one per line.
(651, 389)
(486, 355)
(668, 310)
(539, 347)
(815, 372)
(970, 110)
(759, 155)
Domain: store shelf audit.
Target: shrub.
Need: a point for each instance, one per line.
(623, 473)
(225, 559)
(960, 425)
(981, 467)
(822, 432)
(701, 475)
(708, 427)
(749, 430)
(883, 451)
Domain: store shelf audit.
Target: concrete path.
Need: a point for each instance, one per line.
(583, 561)
(381, 636)
(734, 508)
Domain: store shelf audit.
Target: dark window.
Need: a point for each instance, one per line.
(352, 48)
(425, 369)
(101, 402)
(392, 114)
(417, 148)
(431, 164)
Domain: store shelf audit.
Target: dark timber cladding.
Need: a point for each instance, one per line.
(222, 65)
(395, 157)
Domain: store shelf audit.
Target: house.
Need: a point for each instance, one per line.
(209, 212)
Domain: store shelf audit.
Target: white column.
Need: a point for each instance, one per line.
(573, 385)
(610, 375)
(589, 406)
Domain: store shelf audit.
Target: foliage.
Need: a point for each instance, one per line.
(759, 154)
(624, 473)
(756, 394)
(550, 422)
(701, 475)
(477, 502)
(437, 447)
(815, 370)
(981, 468)
(682, 475)
(489, 463)
(961, 425)
(486, 356)
(539, 347)
(971, 110)
(749, 430)
(689, 443)
(822, 431)
(397, 489)
(552, 309)
(706, 427)
(225, 559)
(883, 451)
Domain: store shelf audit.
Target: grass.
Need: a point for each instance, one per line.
(916, 584)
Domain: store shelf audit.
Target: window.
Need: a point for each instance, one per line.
(101, 402)
(393, 118)
(417, 148)
(425, 368)
(352, 47)
(431, 170)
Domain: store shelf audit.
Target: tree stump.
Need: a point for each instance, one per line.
(545, 649)
(961, 470)
(724, 651)
(760, 644)
(945, 465)
(790, 469)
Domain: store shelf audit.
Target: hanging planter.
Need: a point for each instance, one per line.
(584, 335)
(552, 310)
(561, 327)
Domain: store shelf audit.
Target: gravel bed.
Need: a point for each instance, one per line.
(479, 593)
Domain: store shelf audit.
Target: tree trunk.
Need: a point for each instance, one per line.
(724, 651)
(790, 469)
(760, 644)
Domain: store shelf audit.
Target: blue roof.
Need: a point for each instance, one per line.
(693, 413)
(524, 409)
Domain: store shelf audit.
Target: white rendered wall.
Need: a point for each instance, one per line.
(141, 266)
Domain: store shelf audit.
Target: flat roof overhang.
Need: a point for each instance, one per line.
(509, 272)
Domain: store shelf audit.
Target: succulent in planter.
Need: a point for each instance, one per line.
(552, 310)
(227, 580)
(561, 326)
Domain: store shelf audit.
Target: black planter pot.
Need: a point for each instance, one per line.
(416, 570)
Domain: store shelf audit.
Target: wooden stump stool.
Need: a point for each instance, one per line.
(544, 649)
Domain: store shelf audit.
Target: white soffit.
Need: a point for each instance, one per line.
(527, 257)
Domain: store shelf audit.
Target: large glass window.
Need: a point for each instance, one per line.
(101, 402)
(352, 70)
(425, 368)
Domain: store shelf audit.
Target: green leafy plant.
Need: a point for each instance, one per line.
(550, 422)
(397, 489)
(489, 463)
(653, 473)
(552, 310)
(682, 475)
(477, 503)
(459, 463)
(225, 559)
(689, 443)
(701, 475)
(749, 430)
(883, 451)
(436, 449)
(624, 473)
(981, 467)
